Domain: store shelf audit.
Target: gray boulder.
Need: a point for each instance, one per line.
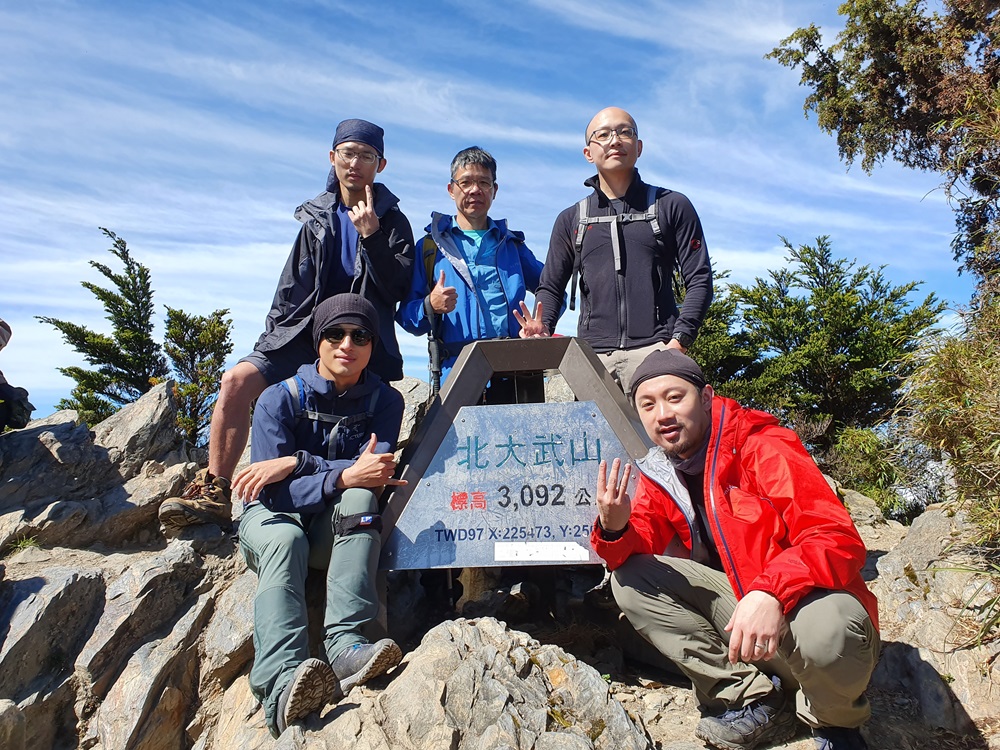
(476, 684)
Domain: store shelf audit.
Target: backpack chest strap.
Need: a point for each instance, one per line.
(294, 386)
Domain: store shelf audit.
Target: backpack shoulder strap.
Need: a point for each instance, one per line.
(294, 386)
(653, 213)
(581, 228)
(430, 255)
(583, 214)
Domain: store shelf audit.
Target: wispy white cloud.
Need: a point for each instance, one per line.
(706, 27)
(194, 131)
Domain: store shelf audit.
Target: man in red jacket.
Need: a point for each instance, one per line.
(734, 558)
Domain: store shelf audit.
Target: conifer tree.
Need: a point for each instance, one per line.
(129, 361)
(197, 346)
(835, 341)
(919, 83)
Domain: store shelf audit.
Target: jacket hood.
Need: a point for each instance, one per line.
(740, 421)
(368, 383)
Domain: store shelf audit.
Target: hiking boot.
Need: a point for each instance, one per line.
(207, 499)
(763, 722)
(357, 664)
(312, 686)
(839, 738)
(601, 596)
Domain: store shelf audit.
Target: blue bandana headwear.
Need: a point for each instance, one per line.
(360, 131)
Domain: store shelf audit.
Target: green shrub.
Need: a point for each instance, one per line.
(954, 398)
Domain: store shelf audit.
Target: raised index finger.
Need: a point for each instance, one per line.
(368, 193)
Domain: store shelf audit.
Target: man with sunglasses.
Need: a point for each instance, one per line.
(624, 241)
(353, 238)
(322, 451)
(474, 274)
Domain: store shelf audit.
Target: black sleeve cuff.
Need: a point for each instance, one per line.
(610, 536)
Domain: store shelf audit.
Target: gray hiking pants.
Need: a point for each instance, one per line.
(280, 547)
(826, 655)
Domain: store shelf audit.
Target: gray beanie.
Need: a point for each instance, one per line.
(344, 308)
(668, 362)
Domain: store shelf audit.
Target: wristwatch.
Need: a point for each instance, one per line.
(684, 339)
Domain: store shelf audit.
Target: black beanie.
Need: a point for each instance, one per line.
(668, 362)
(344, 308)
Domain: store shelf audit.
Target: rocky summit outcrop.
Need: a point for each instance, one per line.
(934, 602)
(114, 637)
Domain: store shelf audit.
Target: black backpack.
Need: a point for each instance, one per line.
(15, 409)
(296, 388)
(584, 219)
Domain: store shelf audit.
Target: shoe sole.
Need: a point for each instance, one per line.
(781, 733)
(173, 515)
(387, 657)
(313, 687)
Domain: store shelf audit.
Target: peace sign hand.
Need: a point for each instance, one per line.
(531, 325)
(614, 506)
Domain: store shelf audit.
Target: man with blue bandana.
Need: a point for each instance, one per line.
(354, 239)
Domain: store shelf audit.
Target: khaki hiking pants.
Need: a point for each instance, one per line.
(826, 655)
(621, 363)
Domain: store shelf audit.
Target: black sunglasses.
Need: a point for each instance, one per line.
(359, 336)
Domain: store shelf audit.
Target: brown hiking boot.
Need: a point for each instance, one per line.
(207, 499)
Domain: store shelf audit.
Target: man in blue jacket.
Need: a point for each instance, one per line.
(480, 274)
(322, 450)
(353, 238)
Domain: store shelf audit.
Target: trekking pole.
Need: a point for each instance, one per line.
(434, 352)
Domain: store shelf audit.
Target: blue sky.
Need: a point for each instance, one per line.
(194, 130)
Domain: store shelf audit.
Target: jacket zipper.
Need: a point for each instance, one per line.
(715, 510)
(620, 285)
(695, 541)
(503, 291)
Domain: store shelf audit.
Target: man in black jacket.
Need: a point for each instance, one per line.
(624, 240)
(353, 238)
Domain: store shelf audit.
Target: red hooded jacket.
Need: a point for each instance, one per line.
(776, 523)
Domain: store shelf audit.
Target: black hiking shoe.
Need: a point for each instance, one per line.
(357, 664)
(839, 738)
(207, 499)
(763, 722)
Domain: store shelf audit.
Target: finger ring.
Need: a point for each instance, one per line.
(760, 645)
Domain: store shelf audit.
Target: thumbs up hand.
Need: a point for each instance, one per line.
(371, 469)
(443, 298)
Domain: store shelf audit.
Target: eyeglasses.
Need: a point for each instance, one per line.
(365, 157)
(359, 336)
(466, 184)
(604, 135)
